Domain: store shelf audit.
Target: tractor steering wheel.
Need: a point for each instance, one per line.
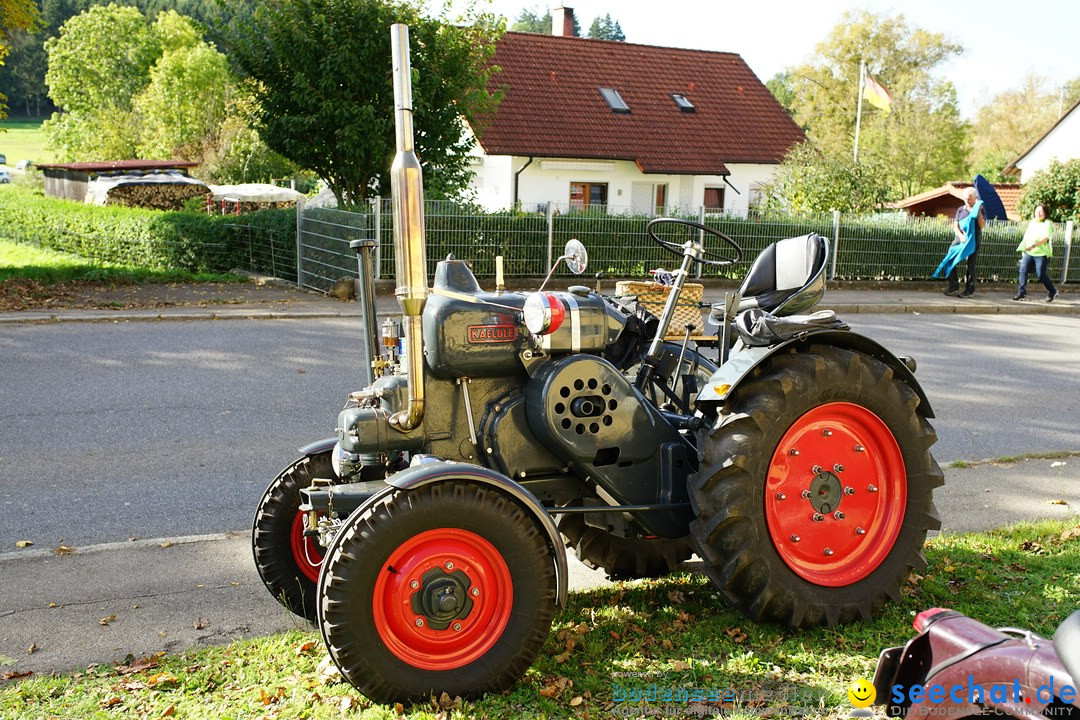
(708, 257)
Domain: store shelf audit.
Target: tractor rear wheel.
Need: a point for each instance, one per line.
(287, 561)
(446, 588)
(815, 489)
(623, 558)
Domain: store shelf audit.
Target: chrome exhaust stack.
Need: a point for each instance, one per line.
(410, 247)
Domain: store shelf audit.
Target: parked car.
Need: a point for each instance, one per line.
(5, 176)
(3, 159)
(24, 165)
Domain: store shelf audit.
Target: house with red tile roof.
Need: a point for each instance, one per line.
(640, 128)
(945, 200)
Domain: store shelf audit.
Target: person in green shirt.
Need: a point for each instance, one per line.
(1037, 248)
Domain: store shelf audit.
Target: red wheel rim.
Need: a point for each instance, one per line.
(835, 494)
(433, 557)
(306, 552)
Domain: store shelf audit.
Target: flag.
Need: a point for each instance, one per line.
(875, 93)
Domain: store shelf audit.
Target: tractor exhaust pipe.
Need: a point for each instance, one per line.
(410, 250)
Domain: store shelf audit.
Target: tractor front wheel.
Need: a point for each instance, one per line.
(288, 562)
(815, 490)
(446, 588)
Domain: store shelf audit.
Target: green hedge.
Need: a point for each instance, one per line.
(152, 239)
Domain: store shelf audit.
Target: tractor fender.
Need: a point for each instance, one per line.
(742, 364)
(319, 446)
(429, 472)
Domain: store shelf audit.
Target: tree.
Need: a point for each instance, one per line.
(1011, 121)
(15, 15)
(530, 20)
(811, 181)
(1057, 187)
(604, 28)
(922, 142)
(322, 81)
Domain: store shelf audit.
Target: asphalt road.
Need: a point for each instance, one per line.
(148, 430)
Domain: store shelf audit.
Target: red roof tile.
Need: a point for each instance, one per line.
(553, 107)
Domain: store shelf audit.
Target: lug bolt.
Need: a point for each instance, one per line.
(860, 448)
(818, 517)
(872, 488)
(849, 490)
(805, 494)
(419, 622)
(781, 496)
(457, 626)
(816, 469)
(795, 538)
(414, 584)
(828, 552)
(449, 565)
(838, 468)
(826, 433)
(793, 452)
(860, 531)
(475, 592)
(838, 515)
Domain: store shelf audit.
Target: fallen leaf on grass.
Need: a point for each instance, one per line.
(1032, 547)
(62, 550)
(348, 703)
(143, 663)
(15, 675)
(736, 634)
(107, 620)
(1071, 533)
(111, 702)
(577, 700)
(676, 597)
(680, 666)
(306, 648)
(327, 672)
(162, 678)
(169, 711)
(447, 703)
(23, 543)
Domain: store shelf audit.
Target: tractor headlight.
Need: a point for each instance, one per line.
(543, 313)
(344, 462)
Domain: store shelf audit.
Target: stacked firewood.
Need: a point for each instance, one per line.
(158, 196)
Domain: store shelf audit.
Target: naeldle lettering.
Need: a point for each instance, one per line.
(492, 333)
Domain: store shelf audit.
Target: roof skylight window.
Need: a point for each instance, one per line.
(683, 102)
(614, 100)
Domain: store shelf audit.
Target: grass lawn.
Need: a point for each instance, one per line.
(28, 263)
(22, 139)
(677, 631)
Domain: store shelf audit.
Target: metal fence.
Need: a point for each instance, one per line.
(884, 247)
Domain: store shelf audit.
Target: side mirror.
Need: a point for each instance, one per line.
(576, 256)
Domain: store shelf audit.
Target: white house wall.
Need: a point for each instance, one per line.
(538, 185)
(1062, 144)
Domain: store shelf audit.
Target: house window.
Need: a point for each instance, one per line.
(649, 198)
(614, 100)
(683, 102)
(714, 199)
(587, 194)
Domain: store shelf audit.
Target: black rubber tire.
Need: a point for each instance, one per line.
(623, 558)
(730, 531)
(271, 535)
(375, 531)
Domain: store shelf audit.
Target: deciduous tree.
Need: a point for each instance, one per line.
(810, 180)
(325, 91)
(15, 15)
(1057, 187)
(922, 142)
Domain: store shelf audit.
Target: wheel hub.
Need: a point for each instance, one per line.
(835, 494)
(442, 598)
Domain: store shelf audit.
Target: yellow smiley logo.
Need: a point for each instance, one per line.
(861, 693)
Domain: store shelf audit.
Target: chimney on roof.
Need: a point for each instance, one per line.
(562, 21)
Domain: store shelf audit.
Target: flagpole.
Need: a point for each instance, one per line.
(858, 111)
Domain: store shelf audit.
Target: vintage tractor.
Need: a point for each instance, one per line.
(428, 538)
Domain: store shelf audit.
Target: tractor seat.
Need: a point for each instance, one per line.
(786, 278)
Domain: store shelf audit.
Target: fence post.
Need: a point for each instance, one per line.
(377, 205)
(836, 241)
(701, 240)
(299, 242)
(1068, 252)
(551, 233)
